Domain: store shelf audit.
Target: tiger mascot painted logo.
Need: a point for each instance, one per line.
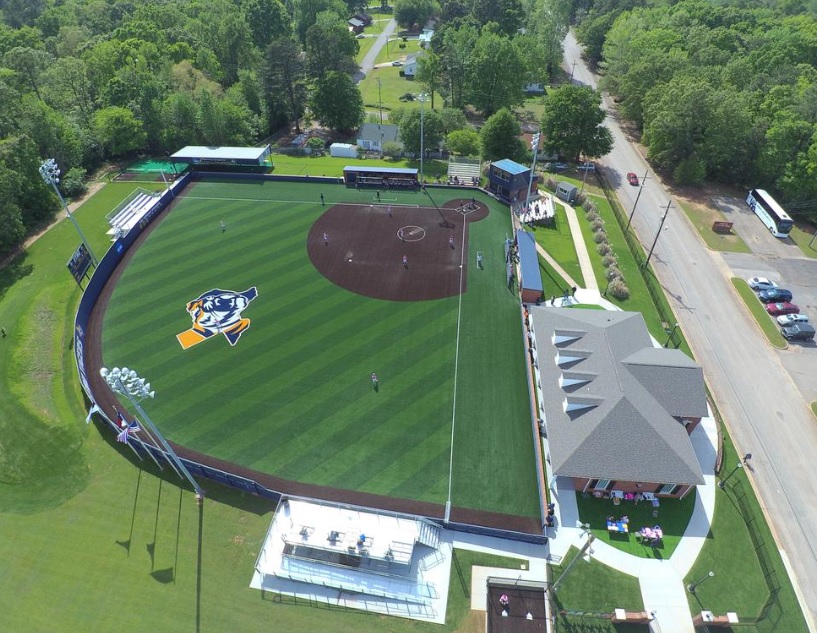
(217, 312)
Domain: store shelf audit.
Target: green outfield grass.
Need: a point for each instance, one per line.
(293, 398)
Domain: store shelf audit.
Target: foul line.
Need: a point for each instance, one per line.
(456, 371)
(302, 201)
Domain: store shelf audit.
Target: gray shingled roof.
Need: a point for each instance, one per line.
(615, 417)
(378, 132)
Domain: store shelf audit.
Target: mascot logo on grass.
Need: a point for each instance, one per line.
(217, 312)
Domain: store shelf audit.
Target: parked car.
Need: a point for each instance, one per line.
(558, 166)
(775, 295)
(588, 166)
(798, 332)
(761, 283)
(397, 62)
(777, 309)
(633, 179)
(790, 319)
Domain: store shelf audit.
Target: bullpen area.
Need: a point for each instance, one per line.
(334, 342)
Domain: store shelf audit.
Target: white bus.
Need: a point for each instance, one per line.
(771, 213)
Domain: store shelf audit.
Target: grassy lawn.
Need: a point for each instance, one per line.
(331, 166)
(298, 388)
(702, 218)
(552, 281)
(557, 240)
(803, 239)
(673, 517)
(758, 310)
(763, 597)
(596, 588)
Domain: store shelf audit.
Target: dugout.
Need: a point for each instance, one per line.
(216, 157)
(359, 176)
(530, 277)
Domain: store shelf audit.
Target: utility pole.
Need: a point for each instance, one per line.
(655, 241)
(640, 189)
(379, 101)
(572, 70)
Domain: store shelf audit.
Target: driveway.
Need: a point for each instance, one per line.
(368, 61)
(762, 405)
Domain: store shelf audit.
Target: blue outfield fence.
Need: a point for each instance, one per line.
(103, 272)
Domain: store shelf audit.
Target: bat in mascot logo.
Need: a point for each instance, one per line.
(217, 312)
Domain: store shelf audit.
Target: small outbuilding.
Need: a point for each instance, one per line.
(343, 150)
(567, 191)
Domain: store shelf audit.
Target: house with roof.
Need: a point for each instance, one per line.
(410, 65)
(356, 25)
(372, 136)
(509, 180)
(618, 411)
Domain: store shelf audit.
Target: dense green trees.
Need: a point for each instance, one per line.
(336, 102)
(720, 92)
(572, 124)
(500, 138)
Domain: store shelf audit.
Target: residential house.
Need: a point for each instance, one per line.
(410, 65)
(425, 37)
(372, 136)
(618, 411)
(356, 25)
(509, 180)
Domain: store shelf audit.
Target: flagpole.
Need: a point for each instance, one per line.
(138, 387)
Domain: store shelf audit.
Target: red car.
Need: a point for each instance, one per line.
(633, 179)
(776, 309)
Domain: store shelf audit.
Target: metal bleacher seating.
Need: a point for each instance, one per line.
(463, 171)
(125, 218)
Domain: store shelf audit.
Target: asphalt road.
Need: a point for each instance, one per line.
(765, 411)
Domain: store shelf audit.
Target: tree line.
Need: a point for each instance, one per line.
(719, 91)
(87, 81)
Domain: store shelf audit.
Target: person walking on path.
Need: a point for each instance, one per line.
(390, 215)
(326, 239)
(375, 383)
(405, 261)
(322, 202)
(451, 241)
(223, 226)
(378, 195)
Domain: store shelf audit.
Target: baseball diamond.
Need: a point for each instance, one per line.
(290, 403)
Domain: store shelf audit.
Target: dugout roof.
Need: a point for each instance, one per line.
(195, 154)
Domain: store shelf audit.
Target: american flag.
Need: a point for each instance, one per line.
(121, 422)
(123, 437)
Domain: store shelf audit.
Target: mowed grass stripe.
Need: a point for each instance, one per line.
(310, 391)
(317, 351)
(298, 398)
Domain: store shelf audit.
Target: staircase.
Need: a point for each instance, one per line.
(429, 534)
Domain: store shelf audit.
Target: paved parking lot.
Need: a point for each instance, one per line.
(784, 263)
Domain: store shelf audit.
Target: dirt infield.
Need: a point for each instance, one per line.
(521, 601)
(362, 248)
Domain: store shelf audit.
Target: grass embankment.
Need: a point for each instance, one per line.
(557, 240)
(767, 323)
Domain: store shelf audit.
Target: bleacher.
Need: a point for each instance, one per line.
(464, 171)
(128, 213)
(539, 211)
(353, 581)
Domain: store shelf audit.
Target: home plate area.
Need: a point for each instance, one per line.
(397, 253)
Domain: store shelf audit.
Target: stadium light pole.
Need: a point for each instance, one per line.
(127, 382)
(534, 145)
(422, 99)
(50, 173)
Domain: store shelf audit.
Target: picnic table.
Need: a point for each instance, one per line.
(618, 526)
